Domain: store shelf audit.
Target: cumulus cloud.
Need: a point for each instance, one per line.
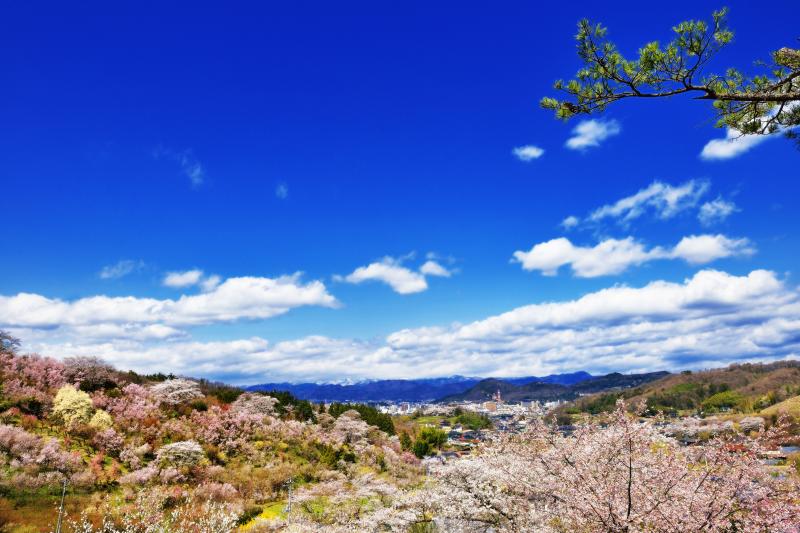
(614, 256)
(716, 211)
(120, 269)
(528, 152)
(234, 299)
(590, 133)
(710, 319)
(400, 278)
(391, 271)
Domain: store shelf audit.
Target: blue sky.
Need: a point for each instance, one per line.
(256, 141)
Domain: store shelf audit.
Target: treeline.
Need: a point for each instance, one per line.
(369, 414)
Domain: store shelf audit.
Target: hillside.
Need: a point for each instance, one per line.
(737, 388)
(399, 390)
(790, 406)
(540, 391)
(159, 453)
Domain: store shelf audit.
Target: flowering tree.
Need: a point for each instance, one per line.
(256, 404)
(184, 453)
(230, 430)
(134, 408)
(89, 373)
(176, 391)
(101, 420)
(29, 377)
(620, 478)
(72, 406)
(31, 458)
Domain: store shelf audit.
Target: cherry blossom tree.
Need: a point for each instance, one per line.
(622, 477)
(176, 391)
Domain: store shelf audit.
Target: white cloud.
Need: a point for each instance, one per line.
(701, 249)
(401, 279)
(121, 269)
(716, 211)
(710, 319)
(432, 268)
(191, 278)
(732, 145)
(614, 256)
(589, 133)
(390, 271)
(209, 283)
(528, 152)
(282, 191)
(178, 280)
(189, 164)
(663, 200)
(735, 143)
(570, 222)
(234, 299)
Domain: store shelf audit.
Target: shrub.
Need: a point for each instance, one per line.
(722, 401)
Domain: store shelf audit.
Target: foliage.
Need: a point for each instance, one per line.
(760, 104)
(288, 403)
(368, 413)
(722, 401)
(428, 441)
(471, 419)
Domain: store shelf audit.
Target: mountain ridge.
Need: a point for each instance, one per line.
(549, 391)
(399, 390)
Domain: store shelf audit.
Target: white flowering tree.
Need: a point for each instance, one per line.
(623, 477)
(72, 406)
(176, 391)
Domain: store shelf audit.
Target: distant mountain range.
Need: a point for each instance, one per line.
(410, 390)
(549, 391)
(403, 390)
